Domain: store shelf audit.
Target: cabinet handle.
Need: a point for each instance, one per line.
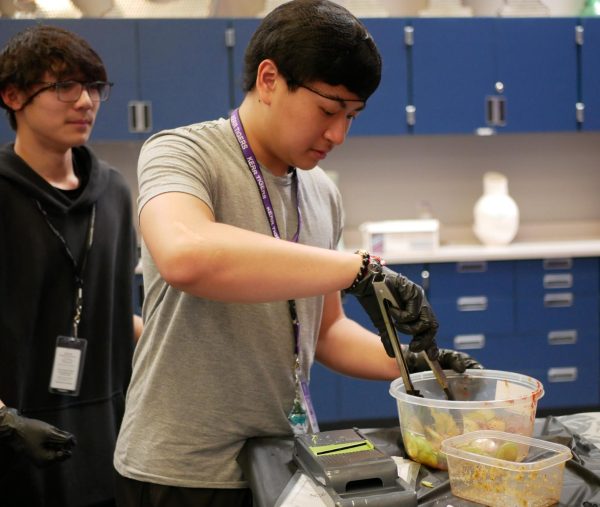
(550, 264)
(411, 115)
(558, 281)
(472, 303)
(471, 267)
(567, 374)
(469, 341)
(580, 112)
(579, 31)
(566, 337)
(140, 116)
(561, 300)
(409, 36)
(495, 107)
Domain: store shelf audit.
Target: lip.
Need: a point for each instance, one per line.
(321, 154)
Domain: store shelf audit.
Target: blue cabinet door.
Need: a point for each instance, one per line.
(537, 64)
(384, 114)
(183, 70)
(590, 73)
(243, 29)
(8, 28)
(452, 71)
(115, 40)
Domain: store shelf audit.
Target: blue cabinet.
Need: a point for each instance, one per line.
(115, 40)
(537, 317)
(443, 74)
(243, 30)
(557, 317)
(183, 70)
(385, 110)
(452, 71)
(590, 73)
(516, 75)
(537, 64)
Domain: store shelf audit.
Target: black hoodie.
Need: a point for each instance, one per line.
(37, 292)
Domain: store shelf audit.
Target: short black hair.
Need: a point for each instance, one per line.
(28, 55)
(315, 40)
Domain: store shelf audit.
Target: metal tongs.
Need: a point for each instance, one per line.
(387, 300)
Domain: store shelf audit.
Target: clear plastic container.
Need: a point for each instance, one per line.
(499, 469)
(485, 400)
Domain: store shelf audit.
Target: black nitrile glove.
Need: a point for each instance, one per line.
(449, 360)
(411, 314)
(39, 441)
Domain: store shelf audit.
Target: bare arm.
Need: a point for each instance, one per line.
(208, 259)
(347, 347)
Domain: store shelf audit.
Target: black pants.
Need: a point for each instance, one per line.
(132, 493)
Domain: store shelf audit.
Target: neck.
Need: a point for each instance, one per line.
(55, 167)
(252, 116)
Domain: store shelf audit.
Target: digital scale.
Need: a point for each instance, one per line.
(352, 470)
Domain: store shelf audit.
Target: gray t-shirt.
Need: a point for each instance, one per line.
(208, 375)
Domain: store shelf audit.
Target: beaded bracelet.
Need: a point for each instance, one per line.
(366, 258)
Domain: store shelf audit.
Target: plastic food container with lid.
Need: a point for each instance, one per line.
(485, 400)
(500, 469)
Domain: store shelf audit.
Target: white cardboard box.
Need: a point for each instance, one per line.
(391, 236)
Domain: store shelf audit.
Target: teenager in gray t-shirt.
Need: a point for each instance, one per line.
(238, 221)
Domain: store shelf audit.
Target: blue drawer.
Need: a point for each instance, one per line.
(556, 311)
(366, 399)
(452, 279)
(474, 314)
(325, 392)
(535, 277)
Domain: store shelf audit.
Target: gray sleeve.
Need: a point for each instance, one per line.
(173, 161)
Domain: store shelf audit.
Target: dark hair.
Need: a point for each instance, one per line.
(315, 40)
(43, 48)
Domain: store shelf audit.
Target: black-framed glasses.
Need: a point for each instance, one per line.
(331, 97)
(70, 91)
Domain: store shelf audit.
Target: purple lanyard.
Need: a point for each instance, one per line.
(253, 165)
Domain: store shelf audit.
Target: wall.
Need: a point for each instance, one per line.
(553, 177)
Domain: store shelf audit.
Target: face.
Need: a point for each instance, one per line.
(307, 123)
(50, 122)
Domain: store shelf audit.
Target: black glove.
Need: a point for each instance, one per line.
(449, 360)
(412, 314)
(40, 442)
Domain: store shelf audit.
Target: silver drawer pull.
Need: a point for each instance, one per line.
(472, 303)
(469, 341)
(558, 263)
(471, 267)
(568, 374)
(559, 300)
(558, 281)
(566, 337)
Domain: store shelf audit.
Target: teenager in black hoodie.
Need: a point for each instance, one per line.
(67, 258)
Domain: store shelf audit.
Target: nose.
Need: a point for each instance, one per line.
(338, 128)
(85, 99)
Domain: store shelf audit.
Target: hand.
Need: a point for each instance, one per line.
(449, 360)
(41, 442)
(411, 314)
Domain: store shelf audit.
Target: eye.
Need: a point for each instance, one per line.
(328, 113)
(67, 85)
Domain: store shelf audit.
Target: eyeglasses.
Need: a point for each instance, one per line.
(70, 91)
(337, 98)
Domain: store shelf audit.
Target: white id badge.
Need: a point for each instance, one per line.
(67, 369)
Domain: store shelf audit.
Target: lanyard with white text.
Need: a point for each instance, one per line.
(298, 414)
(78, 269)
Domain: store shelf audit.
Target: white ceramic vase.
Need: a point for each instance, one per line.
(496, 214)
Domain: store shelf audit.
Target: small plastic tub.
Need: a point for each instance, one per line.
(500, 469)
(485, 400)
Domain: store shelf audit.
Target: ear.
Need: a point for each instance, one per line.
(266, 80)
(13, 97)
